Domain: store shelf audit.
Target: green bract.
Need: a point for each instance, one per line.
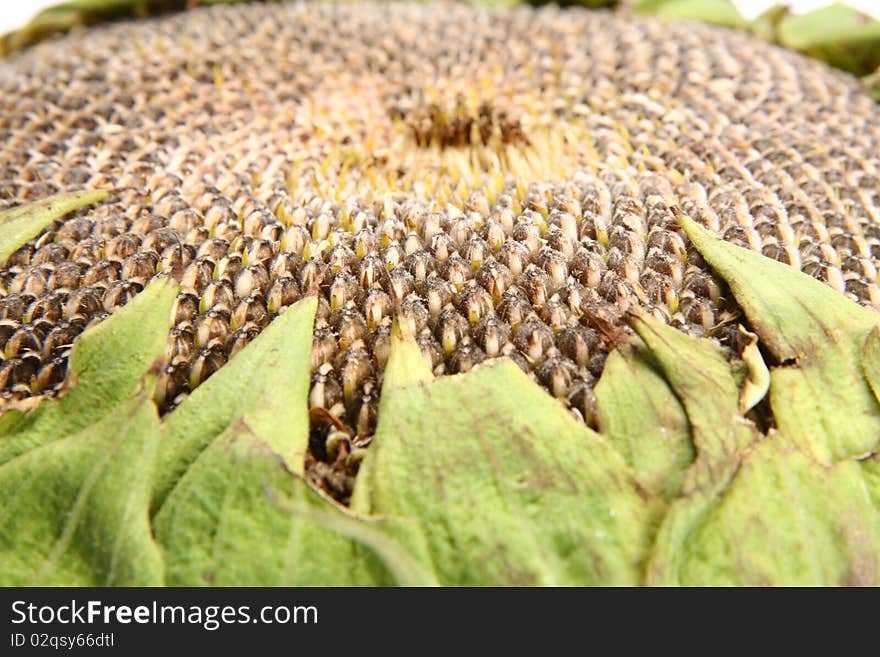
(479, 478)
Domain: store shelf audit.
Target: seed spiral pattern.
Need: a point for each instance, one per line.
(499, 180)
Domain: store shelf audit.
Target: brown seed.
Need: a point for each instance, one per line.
(52, 253)
(103, 272)
(51, 374)
(451, 329)
(49, 307)
(414, 312)
(121, 247)
(86, 301)
(66, 276)
(325, 390)
(88, 251)
(197, 275)
(473, 302)
(213, 249)
(284, 292)
(344, 288)
(576, 343)
(61, 338)
(185, 308)
(491, 335)
(583, 400)
(172, 382)
(324, 346)
(557, 374)
(377, 306)
(209, 327)
(465, 357)
(21, 341)
(180, 344)
(242, 337)
(365, 409)
(372, 272)
(420, 264)
(533, 338)
(356, 369)
(32, 281)
(284, 264)
(119, 293)
(217, 293)
(350, 326)
(208, 360)
(313, 275)
(515, 256)
(260, 252)
(228, 267)
(250, 310)
(15, 306)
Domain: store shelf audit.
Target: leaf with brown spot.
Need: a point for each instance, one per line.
(822, 401)
(492, 482)
(785, 520)
(239, 516)
(701, 377)
(266, 385)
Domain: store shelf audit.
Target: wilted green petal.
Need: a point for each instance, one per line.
(22, 224)
(757, 377)
(719, 12)
(701, 377)
(239, 516)
(766, 25)
(824, 403)
(75, 511)
(784, 520)
(106, 367)
(837, 34)
(266, 385)
(643, 419)
(871, 361)
(500, 485)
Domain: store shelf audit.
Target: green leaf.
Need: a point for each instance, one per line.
(497, 484)
(719, 12)
(837, 34)
(20, 225)
(823, 403)
(701, 377)
(75, 511)
(266, 385)
(703, 380)
(785, 520)
(640, 416)
(106, 367)
(239, 516)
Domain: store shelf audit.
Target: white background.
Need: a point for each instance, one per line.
(13, 13)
